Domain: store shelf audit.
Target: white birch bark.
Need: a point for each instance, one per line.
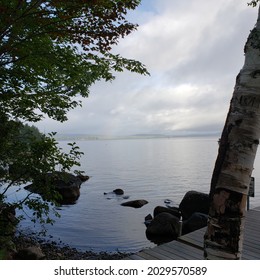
(239, 141)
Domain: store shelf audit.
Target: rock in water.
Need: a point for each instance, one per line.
(83, 178)
(135, 203)
(192, 202)
(167, 201)
(196, 221)
(118, 191)
(148, 219)
(163, 225)
(66, 184)
(172, 210)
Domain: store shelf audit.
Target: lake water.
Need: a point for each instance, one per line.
(150, 169)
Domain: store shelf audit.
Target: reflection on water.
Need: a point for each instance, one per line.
(157, 170)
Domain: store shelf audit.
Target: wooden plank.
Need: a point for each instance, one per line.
(250, 255)
(197, 233)
(147, 256)
(176, 254)
(134, 257)
(193, 242)
(251, 222)
(184, 250)
(254, 246)
(252, 227)
(161, 255)
(254, 216)
(190, 246)
(251, 235)
(172, 255)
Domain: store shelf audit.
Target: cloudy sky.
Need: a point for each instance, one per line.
(193, 50)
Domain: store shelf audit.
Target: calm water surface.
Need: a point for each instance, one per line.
(150, 169)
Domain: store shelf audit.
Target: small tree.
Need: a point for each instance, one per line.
(51, 52)
(234, 164)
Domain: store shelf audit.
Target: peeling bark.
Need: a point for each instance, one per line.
(236, 155)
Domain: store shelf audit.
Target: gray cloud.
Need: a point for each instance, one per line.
(193, 52)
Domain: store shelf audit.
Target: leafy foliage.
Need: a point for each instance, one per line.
(26, 156)
(253, 3)
(51, 52)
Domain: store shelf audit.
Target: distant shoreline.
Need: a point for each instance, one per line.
(86, 137)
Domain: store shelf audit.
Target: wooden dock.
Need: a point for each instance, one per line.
(190, 246)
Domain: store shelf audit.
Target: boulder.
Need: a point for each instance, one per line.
(148, 219)
(196, 221)
(172, 210)
(83, 178)
(163, 225)
(192, 202)
(135, 203)
(66, 184)
(69, 194)
(118, 191)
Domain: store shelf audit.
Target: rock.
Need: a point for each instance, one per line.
(168, 201)
(163, 225)
(135, 203)
(148, 219)
(30, 253)
(68, 187)
(66, 184)
(83, 178)
(172, 210)
(118, 191)
(69, 194)
(196, 221)
(192, 202)
(116, 194)
(59, 251)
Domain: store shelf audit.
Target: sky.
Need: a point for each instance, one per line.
(193, 50)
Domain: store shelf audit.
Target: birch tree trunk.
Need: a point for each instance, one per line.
(234, 164)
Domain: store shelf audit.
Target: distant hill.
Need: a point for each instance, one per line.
(85, 137)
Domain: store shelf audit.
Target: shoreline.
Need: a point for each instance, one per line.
(52, 250)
